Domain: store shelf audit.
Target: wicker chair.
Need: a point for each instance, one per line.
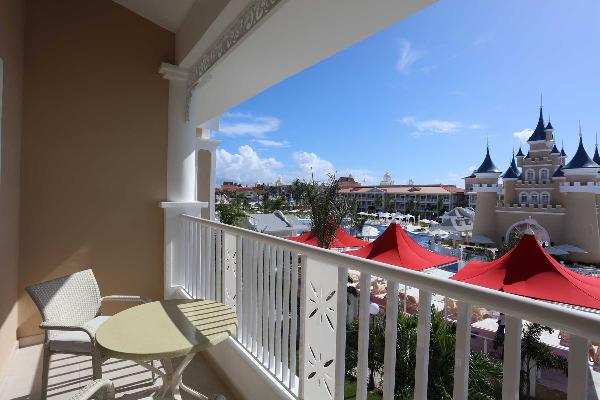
(70, 308)
(100, 389)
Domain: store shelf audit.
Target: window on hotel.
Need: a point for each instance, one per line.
(545, 198)
(544, 174)
(534, 198)
(523, 197)
(530, 175)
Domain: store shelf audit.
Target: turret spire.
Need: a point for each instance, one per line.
(539, 132)
(596, 157)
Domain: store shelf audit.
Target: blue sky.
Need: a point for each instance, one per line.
(421, 98)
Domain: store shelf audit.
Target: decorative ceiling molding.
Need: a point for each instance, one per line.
(239, 28)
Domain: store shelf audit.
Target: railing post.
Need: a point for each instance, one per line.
(230, 262)
(391, 336)
(319, 302)
(362, 369)
(423, 338)
(511, 371)
(340, 342)
(462, 352)
(578, 368)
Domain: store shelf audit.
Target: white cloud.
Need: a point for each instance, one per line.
(436, 126)
(523, 135)
(311, 165)
(246, 166)
(406, 57)
(475, 126)
(241, 124)
(272, 143)
(431, 126)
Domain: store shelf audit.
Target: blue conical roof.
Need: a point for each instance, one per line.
(513, 171)
(596, 157)
(549, 126)
(487, 165)
(555, 150)
(520, 152)
(559, 172)
(538, 133)
(562, 152)
(581, 159)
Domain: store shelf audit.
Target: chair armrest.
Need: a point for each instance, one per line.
(117, 297)
(57, 326)
(103, 387)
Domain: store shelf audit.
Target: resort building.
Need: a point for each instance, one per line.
(430, 200)
(541, 191)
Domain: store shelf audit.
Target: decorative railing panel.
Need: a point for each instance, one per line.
(291, 301)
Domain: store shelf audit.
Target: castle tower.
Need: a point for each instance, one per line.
(520, 156)
(509, 179)
(581, 191)
(485, 185)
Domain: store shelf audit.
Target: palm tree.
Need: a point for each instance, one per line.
(327, 210)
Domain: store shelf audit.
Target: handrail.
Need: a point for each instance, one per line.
(576, 322)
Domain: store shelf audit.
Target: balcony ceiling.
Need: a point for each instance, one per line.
(168, 14)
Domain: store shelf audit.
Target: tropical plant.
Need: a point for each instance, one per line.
(535, 354)
(485, 377)
(231, 213)
(510, 242)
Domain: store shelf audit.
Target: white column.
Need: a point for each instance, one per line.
(181, 162)
(181, 175)
(206, 147)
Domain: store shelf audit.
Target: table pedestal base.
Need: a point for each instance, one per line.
(172, 383)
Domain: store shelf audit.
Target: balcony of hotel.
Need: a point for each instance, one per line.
(108, 164)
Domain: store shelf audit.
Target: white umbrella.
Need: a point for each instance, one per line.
(369, 231)
(555, 251)
(433, 223)
(425, 221)
(481, 239)
(571, 248)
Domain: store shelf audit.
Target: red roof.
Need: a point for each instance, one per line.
(342, 239)
(396, 247)
(527, 270)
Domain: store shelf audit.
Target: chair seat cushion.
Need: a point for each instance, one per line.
(75, 341)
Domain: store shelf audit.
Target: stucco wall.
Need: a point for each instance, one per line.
(94, 148)
(11, 53)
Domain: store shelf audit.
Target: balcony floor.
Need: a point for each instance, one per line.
(69, 373)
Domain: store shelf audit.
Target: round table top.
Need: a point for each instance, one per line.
(166, 329)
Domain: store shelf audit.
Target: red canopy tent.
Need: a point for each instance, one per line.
(396, 247)
(342, 239)
(528, 270)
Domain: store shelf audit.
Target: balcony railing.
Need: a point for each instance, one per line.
(291, 301)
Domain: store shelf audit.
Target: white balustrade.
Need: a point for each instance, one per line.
(292, 312)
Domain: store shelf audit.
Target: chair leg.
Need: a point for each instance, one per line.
(96, 365)
(45, 372)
